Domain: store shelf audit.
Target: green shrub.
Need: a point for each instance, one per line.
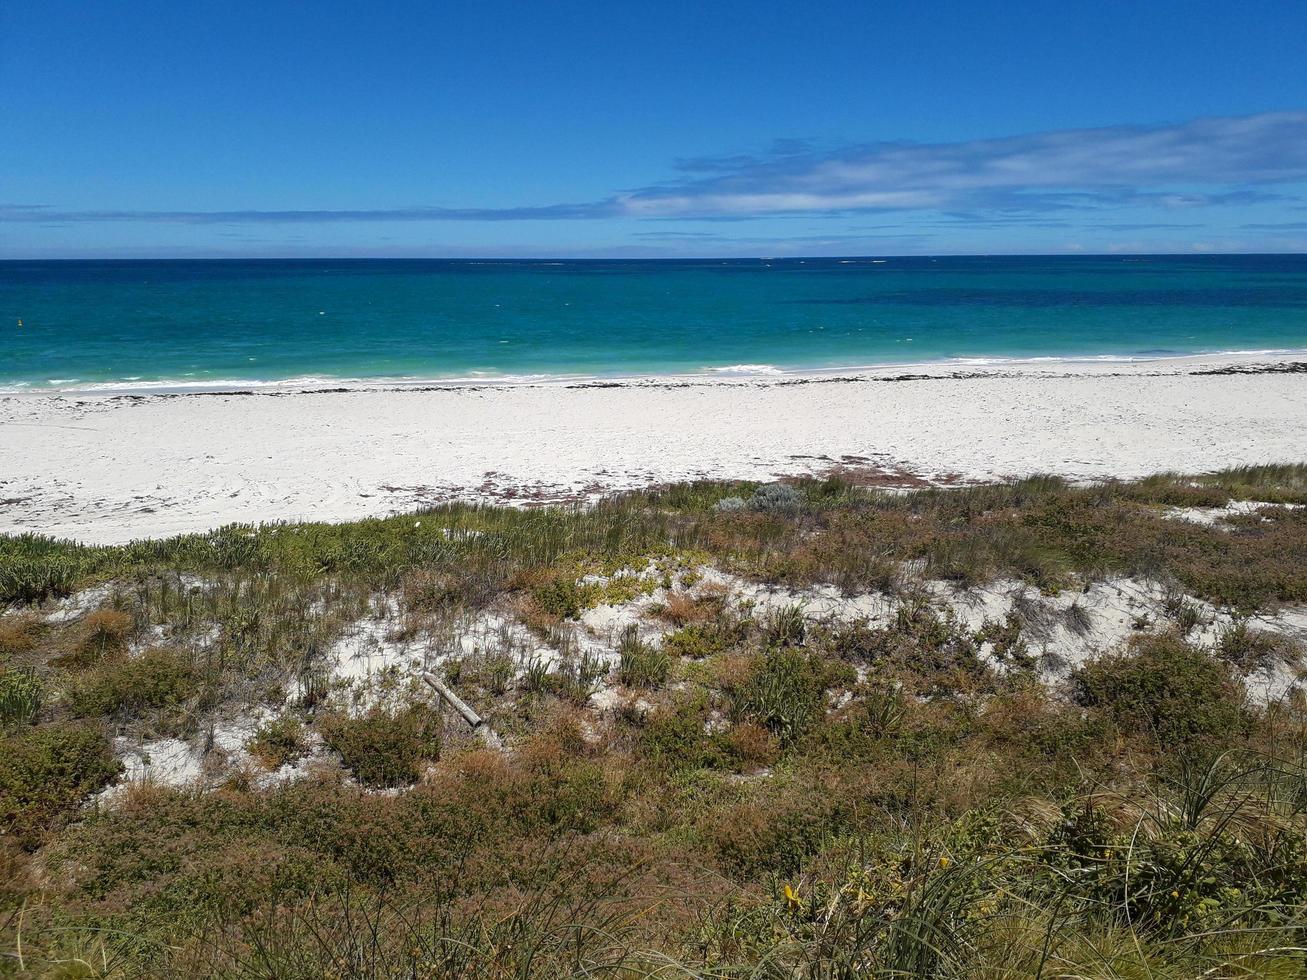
(46, 772)
(674, 736)
(1165, 688)
(159, 680)
(776, 498)
(700, 640)
(279, 741)
(564, 597)
(1249, 649)
(385, 749)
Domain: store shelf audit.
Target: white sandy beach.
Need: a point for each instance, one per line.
(107, 468)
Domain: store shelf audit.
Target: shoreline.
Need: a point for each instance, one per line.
(1242, 361)
(107, 468)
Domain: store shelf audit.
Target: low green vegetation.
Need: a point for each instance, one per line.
(753, 793)
(45, 772)
(157, 684)
(385, 749)
(1163, 690)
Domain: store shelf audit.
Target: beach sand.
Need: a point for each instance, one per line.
(107, 468)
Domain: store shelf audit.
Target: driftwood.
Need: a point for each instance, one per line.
(453, 700)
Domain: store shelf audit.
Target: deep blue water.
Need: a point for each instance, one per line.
(87, 323)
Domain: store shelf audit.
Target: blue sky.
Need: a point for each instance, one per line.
(662, 128)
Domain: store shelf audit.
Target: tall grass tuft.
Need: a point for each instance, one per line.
(641, 664)
(20, 697)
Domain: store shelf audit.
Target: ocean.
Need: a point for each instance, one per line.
(148, 324)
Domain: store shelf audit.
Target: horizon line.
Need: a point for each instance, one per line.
(653, 258)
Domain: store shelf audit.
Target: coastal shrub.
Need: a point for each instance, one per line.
(159, 680)
(491, 670)
(785, 626)
(696, 641)
(1007, 641)
(682, 609)
(776, 498)
(771, 832)
(20, 697)
(575, 678)
(929, 819)
(770, 498)
(46, 772)
(428, 592)
(752, 746)
(1164, 688)
(924, 645)
(1208, 852)
(385, 749)
(1248, 649)
(674, 736)
(279, 741)
(714, 629)
(641, 664)
(563, 597)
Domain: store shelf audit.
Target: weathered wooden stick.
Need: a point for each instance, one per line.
(457, 703)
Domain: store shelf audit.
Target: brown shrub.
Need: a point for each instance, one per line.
(752, 746)
(104, 633)
(768, 833)
(732, 671)
(566, 728)
(426, 591)
(682, 609)
(18, 634)
(14, 873)
(534, 616)
(477, 766)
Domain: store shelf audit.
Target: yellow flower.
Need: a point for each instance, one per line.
(943, 862)
(1175, 894)
(792, 899)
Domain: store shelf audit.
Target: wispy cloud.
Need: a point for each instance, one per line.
(1227, 160)
(1276, 225)
(1201, 163)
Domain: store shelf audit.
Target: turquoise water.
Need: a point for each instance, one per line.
(206, 322)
